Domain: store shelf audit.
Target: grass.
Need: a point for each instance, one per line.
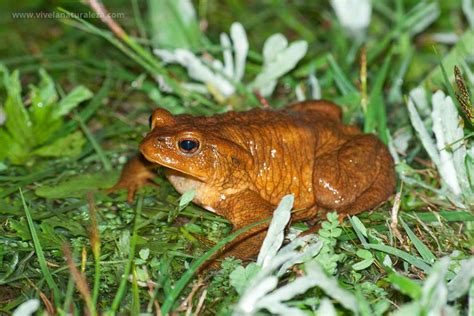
(144, 257)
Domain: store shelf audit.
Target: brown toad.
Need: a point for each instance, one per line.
(242, 163)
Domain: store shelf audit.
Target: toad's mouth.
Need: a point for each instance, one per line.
(172, 169)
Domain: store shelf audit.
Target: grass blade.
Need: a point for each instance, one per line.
(359, 229)
(376, 117)
(103, 158)
(40, 254)
(123, 283)
(425, 253)
(420, 264)
(343, 83)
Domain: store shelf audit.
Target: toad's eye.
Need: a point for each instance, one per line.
(150, 119)
(188, 145)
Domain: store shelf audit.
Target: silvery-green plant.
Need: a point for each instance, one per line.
(468, 9)
(257, 283)
(279, 57)
(314, 88)
(440, 130)
(436, 292)
(27, 308)
(354, 16)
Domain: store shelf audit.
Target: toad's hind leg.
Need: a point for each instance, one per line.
(356, 177)
(243, 209)
(380, 190)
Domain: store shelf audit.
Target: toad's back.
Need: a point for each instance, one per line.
(283, 144)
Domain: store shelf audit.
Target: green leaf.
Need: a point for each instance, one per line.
(45, 127)
(43, 95)
(68, 146)
(333, 217)
(43, 100)
(18, 123)
(186, 198)
(173, 24)
(364, 254)
(144, 253)
(72, 100)
(74, 227)
(26, 130)
(363, 264)
(359, 225)
(49, 237)
(359, 229)
(78, 185)
(14, 151)
(20, 227)
(405, 285)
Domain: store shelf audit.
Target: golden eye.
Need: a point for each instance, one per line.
(188, 145)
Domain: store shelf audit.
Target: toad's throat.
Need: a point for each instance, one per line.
(183, 183)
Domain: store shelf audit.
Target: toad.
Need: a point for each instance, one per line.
(241, 164)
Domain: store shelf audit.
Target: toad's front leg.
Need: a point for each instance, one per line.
(136, 173)
(241, 210)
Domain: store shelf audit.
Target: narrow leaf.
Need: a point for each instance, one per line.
(403, 255)
(424, 251)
